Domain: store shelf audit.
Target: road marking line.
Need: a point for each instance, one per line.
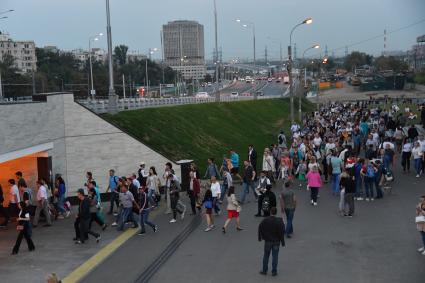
(85, 268)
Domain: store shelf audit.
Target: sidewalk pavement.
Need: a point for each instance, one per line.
(55, 251)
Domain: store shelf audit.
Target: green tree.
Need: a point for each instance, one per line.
(207, 78)
(390, 63)
(120, 53)
(357, 59)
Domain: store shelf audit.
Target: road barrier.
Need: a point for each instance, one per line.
(101, 106)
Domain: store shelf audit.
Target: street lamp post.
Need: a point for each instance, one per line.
(252, 26)
(324, 61)
(316, 46)
(216, 59)
(95, 38)
(112, 97)
(151, 51)
(291, 87)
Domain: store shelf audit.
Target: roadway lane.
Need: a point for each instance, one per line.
(274, 89)
(377, 245)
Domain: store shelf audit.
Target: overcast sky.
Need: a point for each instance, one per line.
(137, 23)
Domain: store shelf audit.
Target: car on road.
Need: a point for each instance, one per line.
(234, 94)
(278, 79)
(269, 80)
(286, 79)
(209, 84)
(259, 93)
(202, 95)
(246, 94)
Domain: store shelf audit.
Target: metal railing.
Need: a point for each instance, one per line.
(101, 106)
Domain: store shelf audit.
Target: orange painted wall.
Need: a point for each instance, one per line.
(27, 165)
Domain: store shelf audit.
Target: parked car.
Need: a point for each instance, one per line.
(234, 94)
(269, 80)
(246, 94)
(202, 95)
(260, 93)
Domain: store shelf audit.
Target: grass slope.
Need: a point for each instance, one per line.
(208, 130)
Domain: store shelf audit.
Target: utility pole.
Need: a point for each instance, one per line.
(112, 97)
(217, 94)
(1, 90)
(265, 54)
(33, 83)
(123, 85)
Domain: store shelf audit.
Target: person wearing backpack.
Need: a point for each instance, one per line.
(113, 188)
(212, 170)
(368, 173)
(269, 201)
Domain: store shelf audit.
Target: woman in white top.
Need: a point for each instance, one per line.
(417, 157)
(233, 209)
(24, 226)
(406, 155)
(268, 163)
(152, 183)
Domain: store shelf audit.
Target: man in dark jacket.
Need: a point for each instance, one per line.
(82, 222)
(272, 231)
(268, 201)
(252, 157)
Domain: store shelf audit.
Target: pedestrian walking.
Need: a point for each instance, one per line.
(175, 203)
(95, 210)
(234, 160)
(420, 222)
(14, 199)
(42, 204)
(24, 226)
(418, 156)
(261, 189)
(252, 157)
(113, 188)
(212, 170)
(248, 181)
(194, 191)
(153, 184)
(127, 202)
(348, 183)
(406, 155)
(60, 193)
(269, 201)
(314, 183)
(227, 183)
(233, 210)
(208, 205)
(216, 191)
(142, 175)
(3, 210)
(167, 172)
(82, 220)
(145, 209)
(272, 231)
(368, 172)
(336, 164)
(288, 204)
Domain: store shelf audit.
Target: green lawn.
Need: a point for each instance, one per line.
(208, 130)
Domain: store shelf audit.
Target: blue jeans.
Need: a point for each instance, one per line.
(387, 162)
(245, 190)
(272, 247)
(150, 197)
(289, 217)
(144, 219)
(379, 193)
(423, 237)
(368, 184)
(223, 191)
(418, 165)
(61, 201)
(359, 191)
(126, 214)
(335, 182)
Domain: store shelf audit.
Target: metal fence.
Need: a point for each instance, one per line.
(101, 106)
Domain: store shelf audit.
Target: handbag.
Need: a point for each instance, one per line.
(19, 227)
(208, 204)
(420, 219)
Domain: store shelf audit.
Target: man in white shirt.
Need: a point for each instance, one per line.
(135, 182)
(42, 204)
(216, 192)
(14, 200)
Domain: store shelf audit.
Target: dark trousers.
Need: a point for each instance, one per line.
(12, 210)
(5, 214)
(215, 205)
(26, 233)
(192, 201)
(405, 160)
(260, 203)
(289, 212)
(114, 199)
(82, 230)
(273, 248)
(349, 201)
(96, 219)
(314, 191)
(174, 207)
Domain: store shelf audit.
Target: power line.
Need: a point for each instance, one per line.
(377, 36)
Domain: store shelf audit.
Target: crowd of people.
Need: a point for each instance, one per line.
(354, 146)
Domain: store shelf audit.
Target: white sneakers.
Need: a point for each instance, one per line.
(315, 203)
(114, 224)
(360, 198)
(417, 176)
(421, 250)
(367, 199)
(173, 220)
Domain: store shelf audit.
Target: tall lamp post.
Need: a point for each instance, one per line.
(324, 61)
(291, 87)
(216, 59)
(151, 51)
(251, 25)
(316, 46)
(92, 38)
(112, 97)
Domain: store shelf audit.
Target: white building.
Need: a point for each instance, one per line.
(98, 55)
(23, 52)
(184, 48)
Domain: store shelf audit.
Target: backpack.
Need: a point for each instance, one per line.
(370, 172)
(265, 205)
(208, 204)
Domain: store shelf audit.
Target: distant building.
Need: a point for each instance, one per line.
(23, 52)
(98, 55)
(133, 56)
(416, 55)
(183, 44)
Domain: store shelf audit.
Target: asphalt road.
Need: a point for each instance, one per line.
(377, 245)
